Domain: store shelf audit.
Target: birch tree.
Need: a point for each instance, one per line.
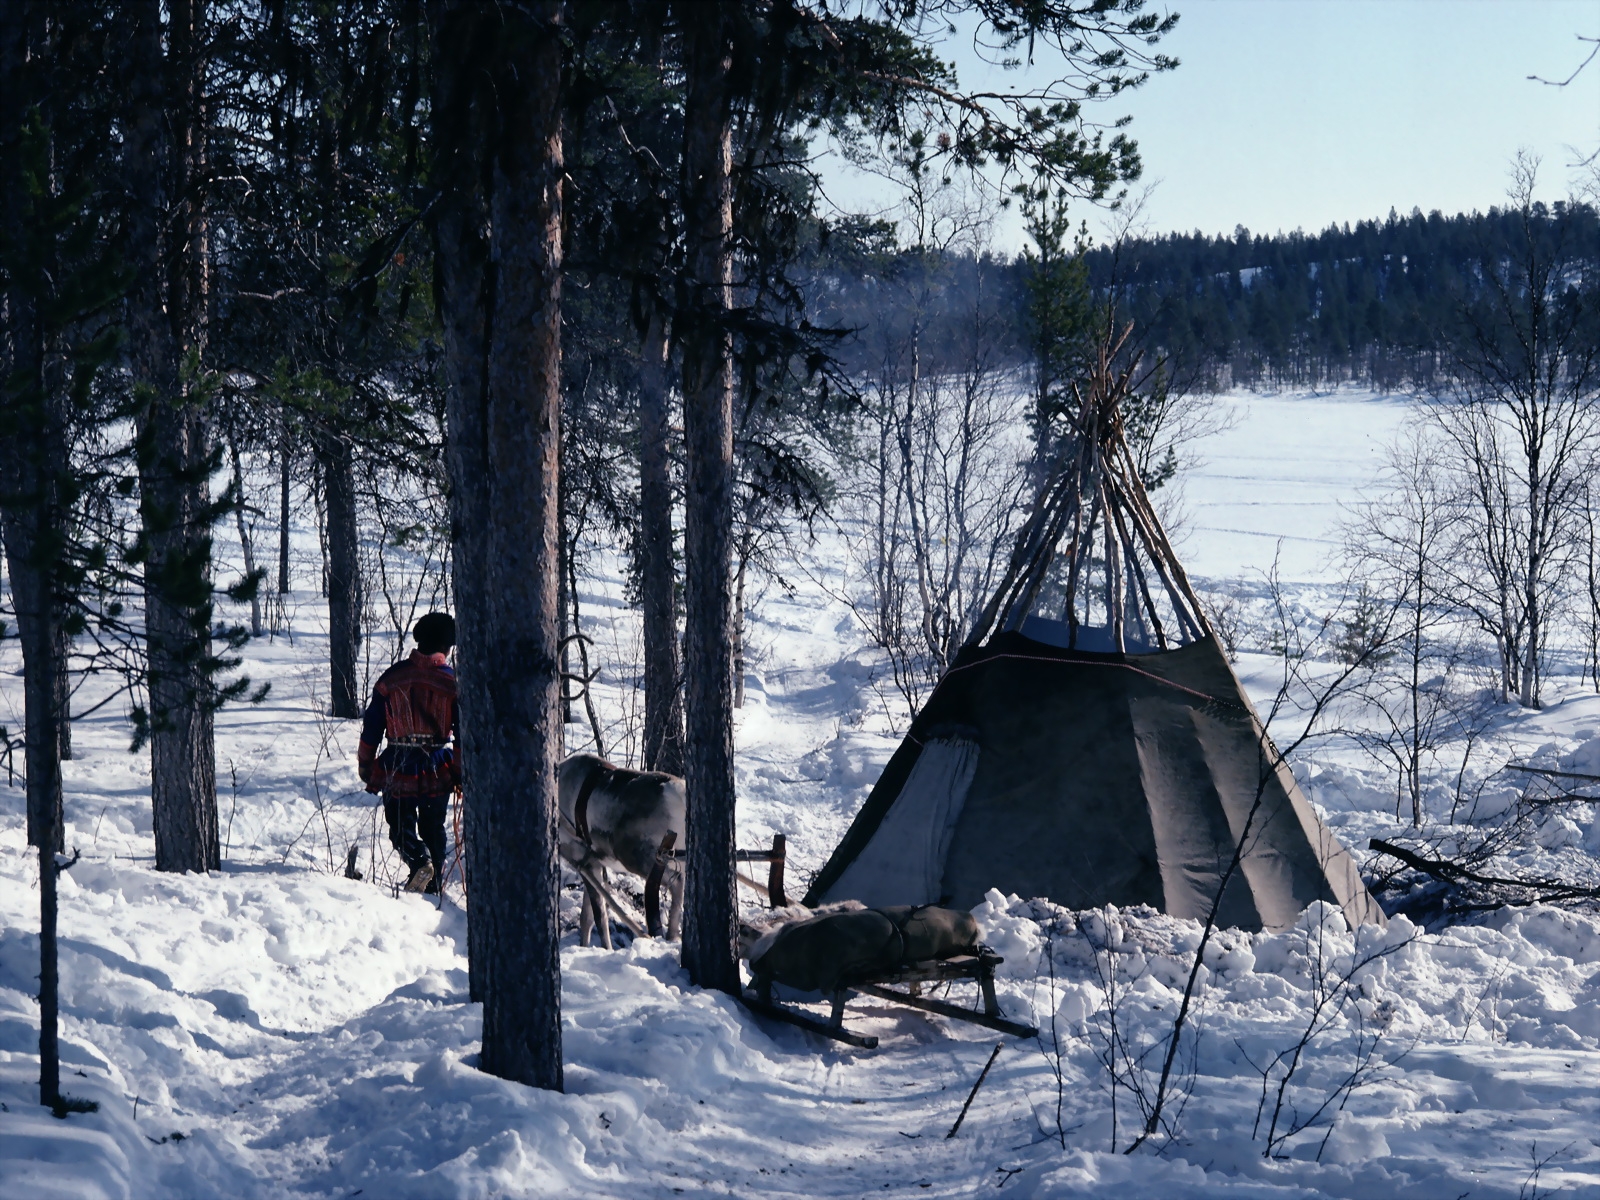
(1521, 412)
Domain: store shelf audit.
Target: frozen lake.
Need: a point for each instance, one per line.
(1274, 482)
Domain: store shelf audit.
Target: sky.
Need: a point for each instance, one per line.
(1291, 114)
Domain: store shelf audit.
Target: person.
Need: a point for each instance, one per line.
(414, 706)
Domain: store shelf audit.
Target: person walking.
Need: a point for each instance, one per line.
(414, 707)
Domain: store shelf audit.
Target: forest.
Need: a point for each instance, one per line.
(1361, 304)
(321, 316)
(290, 234)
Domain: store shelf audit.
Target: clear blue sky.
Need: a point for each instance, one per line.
(1297, 113)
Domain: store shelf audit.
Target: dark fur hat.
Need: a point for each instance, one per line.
(435, 633)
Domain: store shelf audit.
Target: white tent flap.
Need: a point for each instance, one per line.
(904, 862)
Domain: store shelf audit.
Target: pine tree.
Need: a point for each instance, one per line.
(497, 134)
(59, 276)
(166, 170)
(1060, 313)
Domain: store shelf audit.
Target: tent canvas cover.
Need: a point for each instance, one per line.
(1090, 743)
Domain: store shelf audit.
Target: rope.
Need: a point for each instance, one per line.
(456, 801)
(898, 930)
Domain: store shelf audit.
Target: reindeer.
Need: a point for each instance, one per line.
(613, 816)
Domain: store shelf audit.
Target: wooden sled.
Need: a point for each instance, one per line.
(977, 967)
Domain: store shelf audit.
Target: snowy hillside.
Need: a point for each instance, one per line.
(280, 1030)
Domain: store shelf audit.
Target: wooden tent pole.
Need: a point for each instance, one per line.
(1023, 585)
(1183, 602)
(1180, 606)
(1131, 551)
(1082, 547)
(1031, 581)
(1114, 614)
(1141, 501)
(1082, 463)
(1027, 543)
(1016, 585)
(1105, 469)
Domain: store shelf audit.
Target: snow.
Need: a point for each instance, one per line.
(1271, 485)
(275, 1029)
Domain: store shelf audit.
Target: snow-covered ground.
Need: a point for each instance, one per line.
(279, 1030)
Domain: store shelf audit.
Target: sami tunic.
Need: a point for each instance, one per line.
(414, 706)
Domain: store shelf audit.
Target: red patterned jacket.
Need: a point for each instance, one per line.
(414, 706)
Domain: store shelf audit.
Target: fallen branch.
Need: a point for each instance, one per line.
(994, 1054)
(1448, 872)
(1549, 774)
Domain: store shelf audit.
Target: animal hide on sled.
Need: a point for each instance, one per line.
(847, 942)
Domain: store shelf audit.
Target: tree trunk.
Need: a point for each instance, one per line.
(663, 695)
(283, 512)
(465, 300)
(246, 541)
(337, 461)
(563, 611)
(585, 675)
(1534, 615)
(1414, 748)
(30, 506)
(31, 511)
(49, 982)
(63, 701)
(738, 623)
(38, 626)
(498, 111)
(165, 320)
(711, 905)
(39, 621)
(33, 451)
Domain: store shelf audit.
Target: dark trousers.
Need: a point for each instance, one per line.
(416, 830)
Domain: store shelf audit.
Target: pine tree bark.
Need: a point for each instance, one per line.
(461, 260)
(563, 613)
(663, 694)
(246, 539)
(164, 161)
(498, 119)
(32, 453)
(710, 905)
(63, 699)
(738, 623)
(337, 460)
(29, 511)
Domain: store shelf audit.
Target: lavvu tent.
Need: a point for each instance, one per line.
(1090, 742)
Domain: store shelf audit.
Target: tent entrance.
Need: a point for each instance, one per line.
(904, 863)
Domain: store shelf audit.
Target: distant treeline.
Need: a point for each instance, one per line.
(1363, 303)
